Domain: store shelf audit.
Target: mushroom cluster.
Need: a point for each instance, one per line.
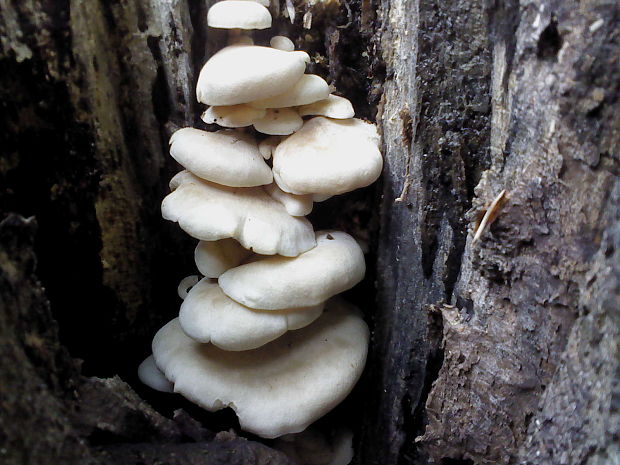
(263, 331)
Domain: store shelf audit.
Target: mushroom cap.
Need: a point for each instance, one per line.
(308, 89)
(267, 146)
(296, 205)
(242, 73)
(210, 212)
(232, 116)
(279, 122)
(282, 43)
(328, 157)
(272, 283)
(208, 315)
(227, 157)
(150, 375)
(215, 257)
(238, 14)
(276, 389)
(333, 106)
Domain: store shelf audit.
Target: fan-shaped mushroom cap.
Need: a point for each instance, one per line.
(242, 73)
(267, 146)
(150, 375)
(328, 157)
(232, 116)
(332, 107)
(310, 88)
(215, 257)
(210, 212)
(279, 388)
(333, 266)
(282, 43)
(238, 14)
(296, 205)
(279, 122)
(208, 315)
(225, 157)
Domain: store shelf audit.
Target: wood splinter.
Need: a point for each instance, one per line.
(490, 215)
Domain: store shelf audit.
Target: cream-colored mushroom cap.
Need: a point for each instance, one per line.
(150, 375)
(333, 106)
(238, 14)
(296, 205)
(225, 157)
(242, 73)
(215, 257)
(282, 43)
(232, 116)
(210, 212)
(267, 146)
(279, 122)
(333, 266)
(279, 388)
(328, 157)
(310, 88)
(208, 315)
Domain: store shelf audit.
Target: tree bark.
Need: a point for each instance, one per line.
(503, 350)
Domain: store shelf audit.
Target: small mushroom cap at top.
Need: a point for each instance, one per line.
(227, 157)
(333, 106)
(150, 375)
(238, 14)
(243, 73)
(210, 212)
(232, 116)
(278, 388)
(215, 257)
(272, 283)
(208, 315)
(328, 157)
(310, 88)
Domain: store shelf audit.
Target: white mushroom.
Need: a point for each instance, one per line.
(225, 157)
(232, 116)
(267, 146)
(271, 283)
(238, 14)
(242, 73)
(279, 122)
(296, 205)
(150, 375)
(328, 157)
(279, 388)
(210, 212)
(215, 257)
(309, 88)
(208, 315)
(282, 43)
(332, 107)
(186, 284)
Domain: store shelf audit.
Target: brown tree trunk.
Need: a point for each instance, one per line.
(502, 350)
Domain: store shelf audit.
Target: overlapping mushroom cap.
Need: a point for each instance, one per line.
(210, 212)
(279, 388)
(215, 257)
(328, 157)
(243, 73)
(227, 157)
(208, 315)
(333, 266)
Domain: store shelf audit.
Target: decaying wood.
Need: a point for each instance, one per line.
(500, 351)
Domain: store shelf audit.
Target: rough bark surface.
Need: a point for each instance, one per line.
(503, 350)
